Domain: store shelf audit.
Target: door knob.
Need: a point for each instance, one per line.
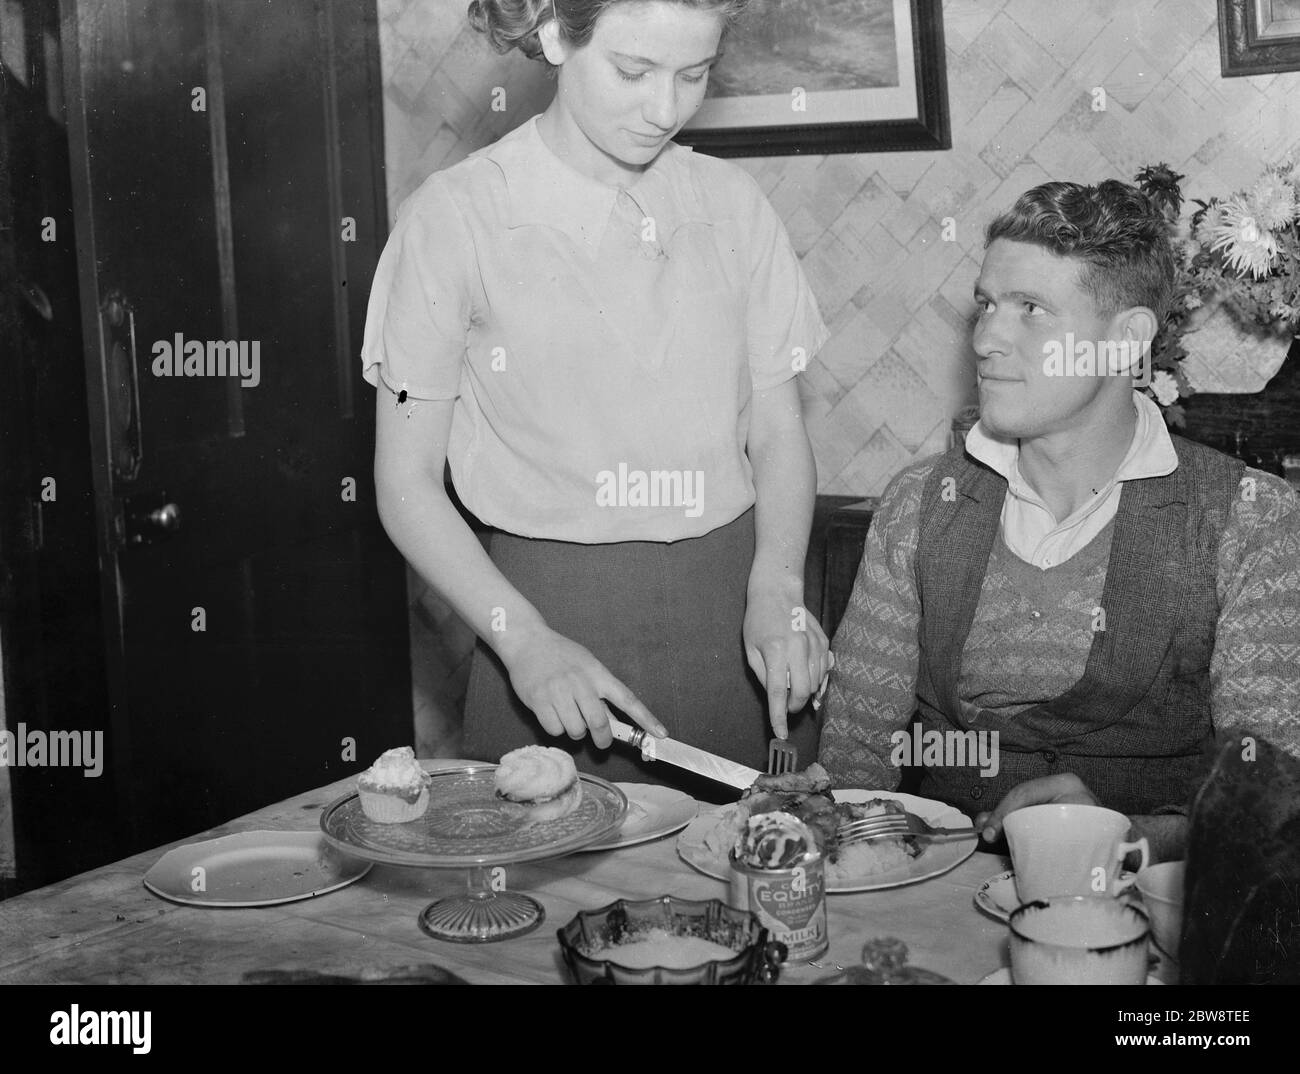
(166, 517)
(148, 517)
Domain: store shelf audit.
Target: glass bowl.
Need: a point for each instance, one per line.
(884, 962)
(584, 939)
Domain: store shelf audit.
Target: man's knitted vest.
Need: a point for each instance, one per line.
(1136, 727)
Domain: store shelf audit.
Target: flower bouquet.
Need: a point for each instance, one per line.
(1239, 257)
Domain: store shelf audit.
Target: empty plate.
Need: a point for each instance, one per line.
(253, 869)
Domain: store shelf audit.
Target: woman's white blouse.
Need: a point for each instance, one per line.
(602, 344)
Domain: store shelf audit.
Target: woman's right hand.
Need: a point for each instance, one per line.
(559, 680)
(566, 688)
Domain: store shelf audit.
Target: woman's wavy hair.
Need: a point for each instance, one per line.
(512, 24)
(1114, 229)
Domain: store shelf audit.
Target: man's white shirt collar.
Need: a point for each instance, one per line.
(1028, 526)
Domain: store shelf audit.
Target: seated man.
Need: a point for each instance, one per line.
(1077, 602)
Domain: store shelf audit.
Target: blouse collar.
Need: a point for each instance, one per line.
(543, 189)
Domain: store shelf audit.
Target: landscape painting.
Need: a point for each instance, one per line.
(1259, 37)
(827, 76)
(818, 44)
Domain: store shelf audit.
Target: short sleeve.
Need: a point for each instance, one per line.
(784, 325)
(418, 316)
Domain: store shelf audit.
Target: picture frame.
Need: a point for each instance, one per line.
(1259, 37)
(874, 82)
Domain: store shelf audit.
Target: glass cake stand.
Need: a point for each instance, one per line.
(468, 827)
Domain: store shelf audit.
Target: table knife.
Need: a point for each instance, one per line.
(691, 758)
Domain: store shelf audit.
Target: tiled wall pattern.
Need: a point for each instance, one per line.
(1022, 82)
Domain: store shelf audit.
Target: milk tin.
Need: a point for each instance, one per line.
(790, 903)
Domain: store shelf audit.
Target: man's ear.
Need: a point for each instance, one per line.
(1135, 328)
(554, 47)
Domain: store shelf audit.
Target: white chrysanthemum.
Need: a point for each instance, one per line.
(1210, 221)
(1165, 387)
(1192, 301)
(1290, 172)
(1246, 246)
(1272, 201)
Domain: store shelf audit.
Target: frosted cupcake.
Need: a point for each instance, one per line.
(541, 778)
(395, 788)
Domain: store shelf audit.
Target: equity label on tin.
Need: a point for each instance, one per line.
(792, 902)
(789, 903)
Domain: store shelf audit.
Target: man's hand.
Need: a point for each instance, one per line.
(1065, 788)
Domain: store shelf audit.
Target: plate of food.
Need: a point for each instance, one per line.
(868, 866)
(652, 813)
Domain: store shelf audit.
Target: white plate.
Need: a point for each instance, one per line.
(938, 857)
(997, 895)
(1003, 977)
(652, 812)
(253, 869)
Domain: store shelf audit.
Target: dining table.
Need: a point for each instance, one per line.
(104, 927)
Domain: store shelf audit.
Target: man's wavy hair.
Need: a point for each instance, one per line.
(1113, 229)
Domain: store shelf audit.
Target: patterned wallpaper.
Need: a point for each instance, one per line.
(870, 227)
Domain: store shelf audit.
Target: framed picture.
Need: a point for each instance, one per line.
(1259, 37)
(827, 76)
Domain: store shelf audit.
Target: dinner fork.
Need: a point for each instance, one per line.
(782, 757)
(894, 824)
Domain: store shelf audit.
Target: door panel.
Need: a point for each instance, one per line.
(150, 170)
(223, 226)
(53, 659)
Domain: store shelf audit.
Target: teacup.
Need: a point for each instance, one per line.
(1069, 850)
(1079, 939)
(1162, 894)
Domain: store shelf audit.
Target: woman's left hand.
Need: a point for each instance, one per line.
(788, 651)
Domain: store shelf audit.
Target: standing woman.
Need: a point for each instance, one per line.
(601, 331)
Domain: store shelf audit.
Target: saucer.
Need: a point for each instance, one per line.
(1003, 977)
(997, 895)
(997, 898)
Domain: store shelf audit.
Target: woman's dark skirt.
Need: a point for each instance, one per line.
(666, 620)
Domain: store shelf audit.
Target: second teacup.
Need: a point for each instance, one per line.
(1162, 894)
(1079, 939)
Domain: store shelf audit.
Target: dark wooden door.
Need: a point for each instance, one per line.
(228, 178)
(52, 644)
